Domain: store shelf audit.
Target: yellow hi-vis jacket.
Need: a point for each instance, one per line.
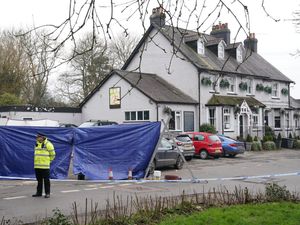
(44, 154)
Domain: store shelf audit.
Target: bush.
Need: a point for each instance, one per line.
(249, 138)
(269, 131)
(206, 127)
(274, 193)
(279, 136)
(256, 146)
(269, 145)
(296, 144)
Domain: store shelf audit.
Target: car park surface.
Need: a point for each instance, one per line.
(206, 144)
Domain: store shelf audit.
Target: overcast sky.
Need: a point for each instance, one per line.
(276, 41)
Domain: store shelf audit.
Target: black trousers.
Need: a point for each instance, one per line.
(43, 177)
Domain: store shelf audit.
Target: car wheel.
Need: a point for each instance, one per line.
(203, 154)
(188, 158)
(179, 163)
(224, 153)
(232, 155)
(151, 168)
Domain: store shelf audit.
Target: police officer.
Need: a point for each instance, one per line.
(44, 154)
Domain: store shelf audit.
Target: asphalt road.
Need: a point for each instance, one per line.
(252, 170)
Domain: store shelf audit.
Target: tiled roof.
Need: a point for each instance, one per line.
(295, 103)
(254, 65)
(155, 87)
(219, 100)
(151, 85)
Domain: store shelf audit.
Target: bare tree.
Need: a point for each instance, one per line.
(87, 69)
(12, 64)
(40, 62)
(92, 15)
(120, 49)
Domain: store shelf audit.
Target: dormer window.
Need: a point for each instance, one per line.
(200, 47)
(239, 54)
(221, 48)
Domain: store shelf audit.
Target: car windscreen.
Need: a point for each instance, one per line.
(184, 138)
(87, 124)
(227, 139)
(214, 138)
(165, 143)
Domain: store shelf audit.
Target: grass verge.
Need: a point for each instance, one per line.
(286, 213)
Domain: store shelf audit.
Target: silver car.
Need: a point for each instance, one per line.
(185, 145)
(165, 156)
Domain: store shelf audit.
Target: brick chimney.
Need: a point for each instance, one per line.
(251, 42)
(221, 31)
(158, 16)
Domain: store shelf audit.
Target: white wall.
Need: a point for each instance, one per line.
(97, 108)
(179, 108)
(183, 74)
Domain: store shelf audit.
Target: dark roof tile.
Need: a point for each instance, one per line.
(155, 87)
(219, 100)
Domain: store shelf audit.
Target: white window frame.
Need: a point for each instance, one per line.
(200, 47)
(255, 123)
(136, 115)
(277, 114)
(232, 85)
(217, 87)
(275, 91)
(239, 53)
(221, 50)
(178, 120)
(227, 118)
(250, 83)
(212, 118)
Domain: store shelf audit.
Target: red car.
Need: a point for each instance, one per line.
(206, 144)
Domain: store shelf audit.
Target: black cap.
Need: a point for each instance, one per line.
(39, 134)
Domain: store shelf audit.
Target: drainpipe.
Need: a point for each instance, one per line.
(289, 96)
(157, 112)
(199, 99)
(222, 119)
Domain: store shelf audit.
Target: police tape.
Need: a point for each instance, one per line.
(192, 180)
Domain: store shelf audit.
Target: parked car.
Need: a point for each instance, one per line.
(96, 123)
(231, 147)
(185, 145)
(166, 155)
(206, 144)
(67, 125)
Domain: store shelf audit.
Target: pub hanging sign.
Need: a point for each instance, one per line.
(114, 97)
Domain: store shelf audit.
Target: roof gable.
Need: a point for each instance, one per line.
(151, 85)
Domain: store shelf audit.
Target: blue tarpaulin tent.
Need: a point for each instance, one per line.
(117, 147)
(96, 150)
(17, 150)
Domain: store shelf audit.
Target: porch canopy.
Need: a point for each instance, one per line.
(221, 100)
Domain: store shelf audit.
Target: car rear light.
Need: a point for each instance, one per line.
(179, 143)
(233, 145)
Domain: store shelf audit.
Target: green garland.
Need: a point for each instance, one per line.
(206, 81)
(224, 83)
(284, 91)
(243, 86)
